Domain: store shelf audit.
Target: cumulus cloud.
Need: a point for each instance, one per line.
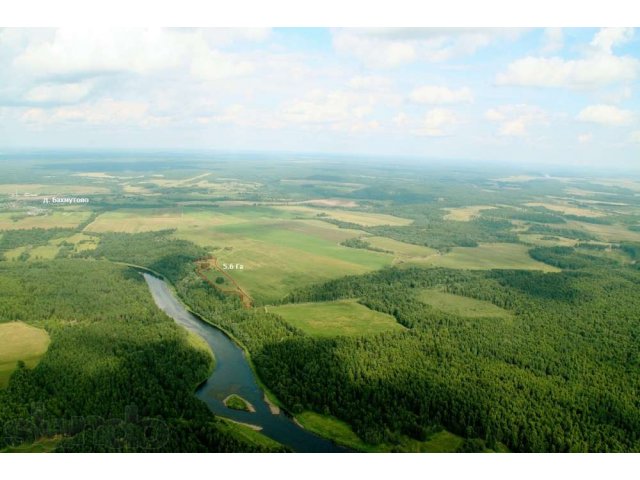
(437, 95)
(369, 82)
(93, 52)
(394, 47)
(328, 108)
(606, 115)
(375, 52)
(437, 123)
(597, 69)
(103, 112)
(553, 40)
(607, 38)
(59, 93)
(515, 120)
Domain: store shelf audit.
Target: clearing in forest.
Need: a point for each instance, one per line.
(340, 317)
(19, 341)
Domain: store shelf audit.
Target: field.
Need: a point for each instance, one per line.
(53, 189)
(135, 221)
(546, 240)
(58, 218)
(19, 341)
(364, 219)
(464, 214)
(488, 256)
(403, 251)
(607, 233)
(567, 209)
(342, 317)
(279, 254)
(462, 306)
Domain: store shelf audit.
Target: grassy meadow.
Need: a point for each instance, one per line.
(462, 306)
(340, 317)
(19, 341)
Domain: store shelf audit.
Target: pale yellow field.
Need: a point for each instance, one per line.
(137, 189)
(203, 181)
(135, 221)
(364, 219)
(44, 252)
(19, 341)
(619, 182)
(39, 189)
(567, 209)
(55, 218)
(607, 233)
(14, 253)
(465, 214)
(103, 175)
(331, 202)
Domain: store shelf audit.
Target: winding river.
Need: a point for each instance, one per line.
(232, 374)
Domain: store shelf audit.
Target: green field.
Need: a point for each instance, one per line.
(403, 251)
(488, 256)
(20, 342)
(341, 433)
(341, 317)
(280, 254)
(462, 306)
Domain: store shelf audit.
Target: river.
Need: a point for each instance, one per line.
(232, 374)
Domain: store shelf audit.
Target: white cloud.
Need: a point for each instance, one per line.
(599, 68)
(436, 95)
(394, 47)
(103, 112)
(333, 110)
(635, 136)
(374, 52)
(94, 52)
(437, 123)
(400, 119)
(555, 72)
(515, 120)
(607, 38)
(553, 40)
(59, 93)
(606, 115)
(584, 138)
(369, 82)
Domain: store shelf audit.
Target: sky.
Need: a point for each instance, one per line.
(549, 96)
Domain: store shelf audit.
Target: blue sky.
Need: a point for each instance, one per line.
(559, 96)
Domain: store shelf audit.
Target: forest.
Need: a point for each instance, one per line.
(119, 375)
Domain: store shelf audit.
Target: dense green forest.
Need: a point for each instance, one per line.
(118, 376)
